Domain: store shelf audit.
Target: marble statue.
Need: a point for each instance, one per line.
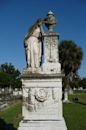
(32, 44)
(42, 89)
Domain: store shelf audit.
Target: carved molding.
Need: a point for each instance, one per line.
(41, 95)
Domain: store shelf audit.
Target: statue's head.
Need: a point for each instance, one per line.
(33, 27)
(39, 21)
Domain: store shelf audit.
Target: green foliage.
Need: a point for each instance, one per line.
(9, 76)
(4, 79)
(83, 83)
(70, 56)
(75, 83)
(10, 69)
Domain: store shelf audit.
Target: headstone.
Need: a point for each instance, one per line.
(42, 88)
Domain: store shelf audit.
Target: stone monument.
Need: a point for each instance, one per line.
(42, 79)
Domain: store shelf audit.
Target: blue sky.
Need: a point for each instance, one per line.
(16, 16)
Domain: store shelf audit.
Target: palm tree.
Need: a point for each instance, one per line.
(70, 57)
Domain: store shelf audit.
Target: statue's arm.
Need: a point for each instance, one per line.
(41, 34)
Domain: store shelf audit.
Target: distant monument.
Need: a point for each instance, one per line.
(42, 79)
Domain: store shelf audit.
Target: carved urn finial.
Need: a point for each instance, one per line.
(50, 21)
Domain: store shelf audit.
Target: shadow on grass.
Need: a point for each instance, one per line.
(5, 126)
(81, 103)
(76, 100)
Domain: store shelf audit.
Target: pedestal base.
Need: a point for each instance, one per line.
(51, 68)
(43, 125)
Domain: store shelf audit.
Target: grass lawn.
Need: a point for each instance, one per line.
(81, 97)
(74, 113)
(75, 116)
(10, 118)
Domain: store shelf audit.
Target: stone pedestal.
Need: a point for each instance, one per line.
(42, 102)
(43, 125)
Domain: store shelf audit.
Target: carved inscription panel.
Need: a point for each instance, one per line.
(51, 49)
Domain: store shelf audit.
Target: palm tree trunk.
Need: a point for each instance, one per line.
(66, 95)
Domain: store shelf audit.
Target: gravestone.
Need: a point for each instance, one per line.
(42, 88)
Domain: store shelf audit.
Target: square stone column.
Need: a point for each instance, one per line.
(51, 56)
(51, 40)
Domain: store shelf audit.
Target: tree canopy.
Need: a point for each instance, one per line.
(70, 57)
(9, 69)
(83, 83)
(4, 80)
(9, 76)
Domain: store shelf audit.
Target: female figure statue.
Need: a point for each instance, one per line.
(32, 45)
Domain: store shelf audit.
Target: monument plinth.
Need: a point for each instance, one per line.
(42, 83)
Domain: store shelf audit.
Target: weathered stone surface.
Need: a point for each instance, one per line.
(51, 47)
(43, 125)
(42, 90)
(51, 59)
(42, 102)
(42, 97)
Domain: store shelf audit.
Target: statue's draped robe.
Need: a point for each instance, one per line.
(33, 49)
